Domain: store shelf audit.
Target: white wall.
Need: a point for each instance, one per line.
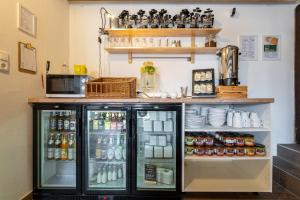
(264, 79)
(15, 113)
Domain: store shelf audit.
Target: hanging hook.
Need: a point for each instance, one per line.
(233, 12)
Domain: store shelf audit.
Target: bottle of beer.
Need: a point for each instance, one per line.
(64, 148)
(73, 123)
(71, 147)
(67, 121)
(124, 120)
(98, 150)
(52, 122)
(57, 150)
(119, 122)
(101, 121)
(96, 122)
(107, 121)
(60, 121)
(50, 147)
(113, 123)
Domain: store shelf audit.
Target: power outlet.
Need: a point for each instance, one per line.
(4, 62)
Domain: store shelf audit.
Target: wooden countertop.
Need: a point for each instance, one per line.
(152, 100)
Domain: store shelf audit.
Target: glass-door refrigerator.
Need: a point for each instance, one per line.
(56, 151)
(156, 150)
(106, 149)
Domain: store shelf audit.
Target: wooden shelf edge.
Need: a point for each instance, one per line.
(165, 50)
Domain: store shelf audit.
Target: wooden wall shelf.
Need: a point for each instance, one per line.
(162, 50)
(164, 32)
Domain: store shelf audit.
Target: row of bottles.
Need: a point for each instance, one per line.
(109, 172)
(61, 146)
(107, 121)
(62, 121)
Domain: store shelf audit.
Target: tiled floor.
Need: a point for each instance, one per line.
(279, 193)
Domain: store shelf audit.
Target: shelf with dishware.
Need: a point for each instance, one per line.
(227, 148)
(131, 41)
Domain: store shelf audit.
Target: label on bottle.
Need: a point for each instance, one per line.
(98, 154)
(66, 124)
(64, 154)
(50, 154)
(57, 153)
(95, 125)
(72, 125)
(53, 124)
(59, 124)
(107, 125)
(71, 152)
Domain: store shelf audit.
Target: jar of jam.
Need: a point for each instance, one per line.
(189, 150)
(209, 151)
(229, 140)
(229, 151)
(209, 140)
(240, 140)
(260, 150)
(200, 139)
(240, 151)
(219, 149)
(250, 151)
(190, 140)
(199, 151)
(249, 140)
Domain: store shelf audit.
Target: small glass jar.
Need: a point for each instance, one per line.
(230, 151)
(200, 139)
(189, 140)
(240, 151)
(210, 41)
(209, 151)
(209, 140)
(199, 151)
(220, 149)
(249, 140)
(240, 140)
(250, 151)
(229, 140)
(260, 150)
(189, 150)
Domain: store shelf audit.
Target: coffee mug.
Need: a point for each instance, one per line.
(237, 120)
(229, 118)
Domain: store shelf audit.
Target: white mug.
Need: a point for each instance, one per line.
(229, 118)
(237, 120)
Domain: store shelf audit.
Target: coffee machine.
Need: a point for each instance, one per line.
(228, 69)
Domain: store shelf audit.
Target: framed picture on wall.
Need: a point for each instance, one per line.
(271, 47)
(248, 47)
(26, 20)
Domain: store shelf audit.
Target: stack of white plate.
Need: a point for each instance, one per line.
(193, 120)
(216, 117)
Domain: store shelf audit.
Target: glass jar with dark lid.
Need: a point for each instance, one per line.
(220, 149)
(189, 139)
(229, 140)
(249, 140)
(199, 151)
(250, 151)
(260, 150)
(240, 140)
(240, 151)
(230, 151)
(209, 140)
(200, 139)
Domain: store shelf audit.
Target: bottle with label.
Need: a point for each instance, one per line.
(113, 123)
(99, 176)
(124, 120)
(96, 122)
(64, 147)
(73, 123)
(57, 149)
(104, 174)
(52, 122)
(104, 148)
(109, 173)
(107, 121)
(71, 147)
(98, 148)
(67, 121)
(50, 147)
(101, 121)
(114, 173)
(60, 121)
(119, 122)
(120, 171)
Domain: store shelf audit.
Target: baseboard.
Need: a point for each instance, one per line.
(27, 196)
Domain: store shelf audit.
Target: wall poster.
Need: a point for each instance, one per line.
(248, 46)
(271, 47)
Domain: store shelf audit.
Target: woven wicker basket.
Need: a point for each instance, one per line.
(111, 87)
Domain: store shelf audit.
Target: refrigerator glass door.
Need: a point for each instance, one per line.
(57, 144)
(156, 150)
(107, 149)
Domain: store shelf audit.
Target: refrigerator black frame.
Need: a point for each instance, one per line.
(37, 189)
(103, 107)
(157, 192)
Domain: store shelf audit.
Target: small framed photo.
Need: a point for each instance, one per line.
(26, 20)
(271, 47)
(203, 83)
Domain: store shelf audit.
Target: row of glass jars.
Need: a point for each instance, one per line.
(228, 139)
(221, 150)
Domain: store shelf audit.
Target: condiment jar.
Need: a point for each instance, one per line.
(200, 139)
(209, 150)
(230, 151)
(250, 151)
(189, 140)
(210, 41)
(199, 151)
(240, 140)
(189, 150)
(219, 149)
(249, 140)
(229, 140)
(260, 150)
(240, 151)
(209, 140)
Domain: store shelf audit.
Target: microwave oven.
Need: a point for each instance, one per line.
(58, 85)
